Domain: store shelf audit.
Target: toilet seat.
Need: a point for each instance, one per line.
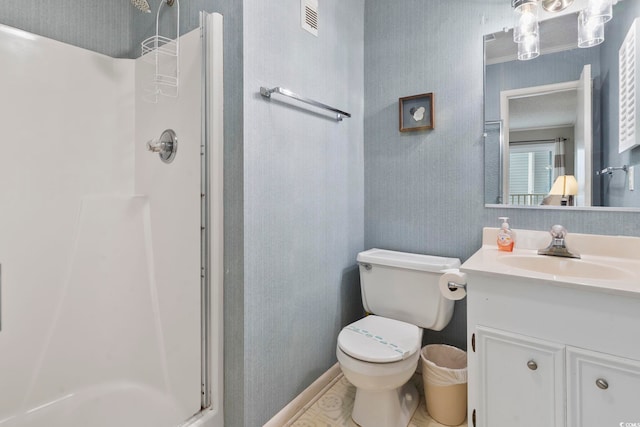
(379, 340)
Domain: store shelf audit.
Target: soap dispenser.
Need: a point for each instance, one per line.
(506, 236)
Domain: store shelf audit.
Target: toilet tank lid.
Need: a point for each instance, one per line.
(407, 260)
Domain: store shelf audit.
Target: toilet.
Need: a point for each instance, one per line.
(379, 353)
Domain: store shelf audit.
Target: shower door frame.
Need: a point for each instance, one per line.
(212, 224)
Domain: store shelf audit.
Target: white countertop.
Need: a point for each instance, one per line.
(609, 264)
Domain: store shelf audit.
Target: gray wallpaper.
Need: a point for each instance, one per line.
(98, 25)
(424, 191)
(303, 197)
(114, 28)
(615, 187)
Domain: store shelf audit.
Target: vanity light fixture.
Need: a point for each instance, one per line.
(526, 29)
(525, 19)
(591, 22)
(600, 10)
(590, 30)
(529, 48)
(526, 32)
(556, 5)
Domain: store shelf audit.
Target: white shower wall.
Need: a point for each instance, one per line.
(173, 191)
(99, 240)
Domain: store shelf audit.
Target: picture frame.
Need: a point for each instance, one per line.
(416, 112)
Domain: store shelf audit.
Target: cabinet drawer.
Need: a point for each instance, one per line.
(602, 390)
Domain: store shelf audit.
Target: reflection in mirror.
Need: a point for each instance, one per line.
(552, 121)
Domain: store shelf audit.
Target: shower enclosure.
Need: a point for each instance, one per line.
(110, 259)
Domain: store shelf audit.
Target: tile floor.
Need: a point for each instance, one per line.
(333, 408)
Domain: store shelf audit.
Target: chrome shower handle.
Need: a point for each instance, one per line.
(166, 146)
(157, 146)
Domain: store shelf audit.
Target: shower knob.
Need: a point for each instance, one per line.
(166, 146)
(157, 146)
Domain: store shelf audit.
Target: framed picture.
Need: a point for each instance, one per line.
(416, 112)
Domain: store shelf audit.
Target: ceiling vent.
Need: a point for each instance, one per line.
(309, 16)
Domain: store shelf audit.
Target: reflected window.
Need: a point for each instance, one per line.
(530, 173)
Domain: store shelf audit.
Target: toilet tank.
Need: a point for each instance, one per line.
(404, 286)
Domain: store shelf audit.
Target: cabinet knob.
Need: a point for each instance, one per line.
(531, 364)
(602, 384)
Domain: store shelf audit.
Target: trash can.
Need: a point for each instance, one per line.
(444, 373)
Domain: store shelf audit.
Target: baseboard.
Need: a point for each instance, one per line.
(304, 400)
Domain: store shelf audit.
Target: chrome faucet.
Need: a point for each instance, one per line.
(558, 247)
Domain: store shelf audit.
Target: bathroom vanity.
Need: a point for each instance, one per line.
(554, 341)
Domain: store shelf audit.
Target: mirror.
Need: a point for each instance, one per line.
(551, 123)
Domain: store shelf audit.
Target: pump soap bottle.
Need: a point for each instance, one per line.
(506, 236)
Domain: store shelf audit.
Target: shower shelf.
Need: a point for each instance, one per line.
(164, 54)
(159, 45)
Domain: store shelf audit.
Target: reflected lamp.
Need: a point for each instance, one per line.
(565, 186)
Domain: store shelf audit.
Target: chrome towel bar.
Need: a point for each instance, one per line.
(286, 92)
(610, 170)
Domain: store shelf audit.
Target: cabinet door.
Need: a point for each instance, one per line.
(521, 380)
(603, 390)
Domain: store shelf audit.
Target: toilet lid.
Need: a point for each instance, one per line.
(379, 340)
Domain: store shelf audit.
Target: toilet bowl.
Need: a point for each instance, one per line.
(384, 397)
(379, 353)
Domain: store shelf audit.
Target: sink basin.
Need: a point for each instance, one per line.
(566, 267)
(609, 264)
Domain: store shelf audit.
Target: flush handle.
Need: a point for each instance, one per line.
(366, 266)
(531, 364)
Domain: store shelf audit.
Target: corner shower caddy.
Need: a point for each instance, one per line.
(163, 53)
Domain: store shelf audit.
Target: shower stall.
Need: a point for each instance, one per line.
(110, 258)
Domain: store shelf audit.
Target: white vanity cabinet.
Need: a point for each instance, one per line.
(526, 382)
(546, 355)
(554, 342)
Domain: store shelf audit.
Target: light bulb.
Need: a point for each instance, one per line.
(526, 20)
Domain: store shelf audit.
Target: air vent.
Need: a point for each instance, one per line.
(629, 95)
(309, 16)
